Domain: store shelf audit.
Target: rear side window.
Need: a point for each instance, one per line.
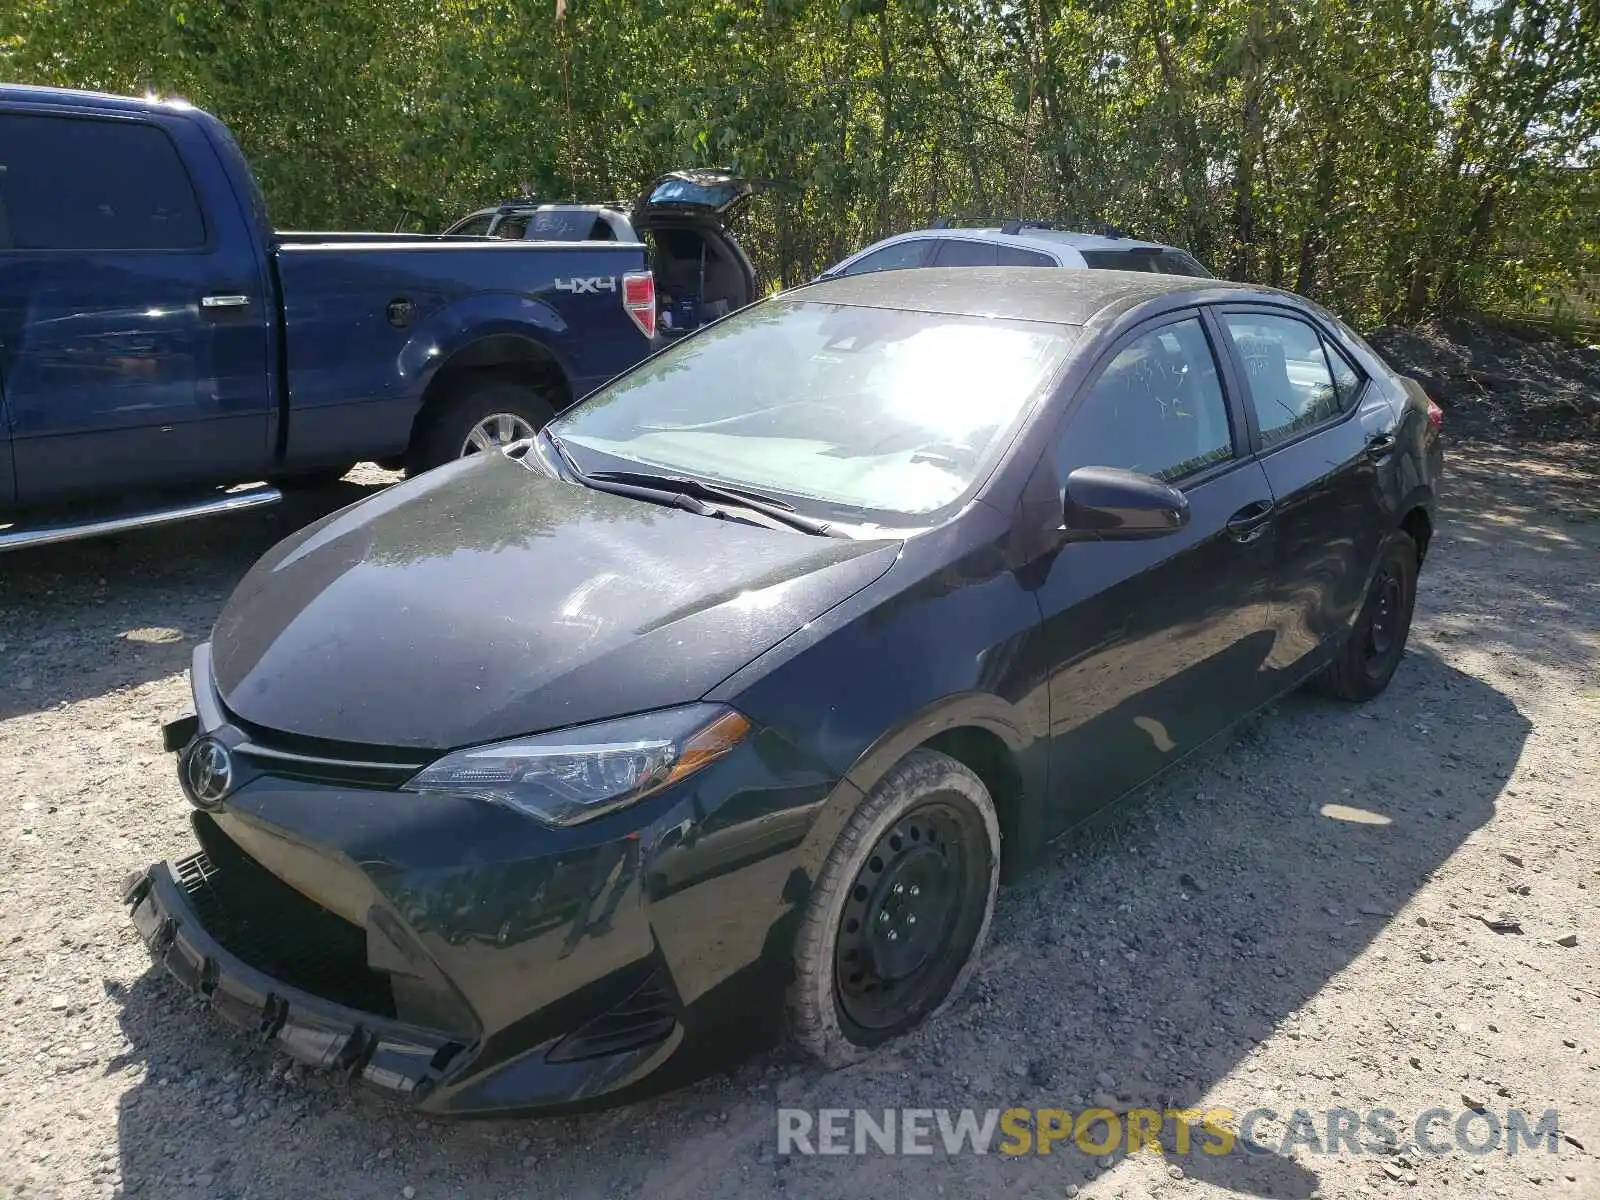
(955, 252)
(1295, 379)
(567, 225)
(1144, 258)
(1118, 260)
(512, 228)
(1176, 262)
(897, 257)
(74, 184)
(1015, 256)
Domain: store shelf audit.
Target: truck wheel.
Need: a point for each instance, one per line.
(479, 417)
(900, 910)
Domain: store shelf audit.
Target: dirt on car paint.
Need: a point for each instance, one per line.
(1336, 908)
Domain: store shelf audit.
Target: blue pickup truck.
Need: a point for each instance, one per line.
(161, 345)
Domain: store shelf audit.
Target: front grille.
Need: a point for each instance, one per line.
(644, 1018)
(320, 760)
(275, 929)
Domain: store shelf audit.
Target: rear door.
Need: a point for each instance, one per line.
(1325, 432)
(1155, 645)
(133, 311)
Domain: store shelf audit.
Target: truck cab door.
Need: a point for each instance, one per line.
(702, 273)
(134, 307)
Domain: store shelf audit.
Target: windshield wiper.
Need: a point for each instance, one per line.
(683, 485)
(654, 495)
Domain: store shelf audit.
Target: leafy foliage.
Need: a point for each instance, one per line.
(1393, 158)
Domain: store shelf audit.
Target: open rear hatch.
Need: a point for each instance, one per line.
(702, 273)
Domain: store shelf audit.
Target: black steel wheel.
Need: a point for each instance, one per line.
(1383, 616)
(1377, 642)
(900, 911)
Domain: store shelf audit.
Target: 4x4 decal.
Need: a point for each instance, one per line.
(594, 283)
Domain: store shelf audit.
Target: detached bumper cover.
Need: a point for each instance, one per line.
(397, 1059)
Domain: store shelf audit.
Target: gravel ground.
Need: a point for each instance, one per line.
(1227, 939)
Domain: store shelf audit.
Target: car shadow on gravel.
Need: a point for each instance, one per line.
(1139, 969)
(116, 612)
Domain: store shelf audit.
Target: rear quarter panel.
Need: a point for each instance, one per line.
(357, 372)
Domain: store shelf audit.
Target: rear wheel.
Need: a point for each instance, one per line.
(1368, 659)
(900, 911)
(483, 416)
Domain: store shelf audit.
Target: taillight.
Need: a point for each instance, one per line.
(1435, 416)
(639, 298)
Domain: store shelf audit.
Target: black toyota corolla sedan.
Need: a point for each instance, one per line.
(717, 710)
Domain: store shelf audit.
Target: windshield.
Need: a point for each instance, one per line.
(861, 408)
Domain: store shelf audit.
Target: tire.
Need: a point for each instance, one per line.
(444, 437)
(928, 810)
(1377, 642)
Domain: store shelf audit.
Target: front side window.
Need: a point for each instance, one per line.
(897, 257)
(477, 226)
(1157, 408)
(1289, 374)
(872, 409)
(70, 183)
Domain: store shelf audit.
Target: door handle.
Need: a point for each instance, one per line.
(1380, 444)
(224, 301)
(1250, 522)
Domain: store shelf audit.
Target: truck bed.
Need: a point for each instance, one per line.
(367, 318)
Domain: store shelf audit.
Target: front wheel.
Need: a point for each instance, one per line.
(480, 417)
(900, 911)
(1367, 660)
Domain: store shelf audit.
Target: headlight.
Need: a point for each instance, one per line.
(576, 775)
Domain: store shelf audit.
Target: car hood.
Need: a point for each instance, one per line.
(484, 600)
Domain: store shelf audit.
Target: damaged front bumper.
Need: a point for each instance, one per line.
(461, 958)
(392, 1057)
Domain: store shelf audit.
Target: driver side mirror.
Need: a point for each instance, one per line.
(1110, 503)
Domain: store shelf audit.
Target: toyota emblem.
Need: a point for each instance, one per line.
(207, 772)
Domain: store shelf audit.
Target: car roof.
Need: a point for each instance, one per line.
(1029, 237)
(1020, 293)
(1078, 241)
(18, 93)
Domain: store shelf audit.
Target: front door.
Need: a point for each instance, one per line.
(133, 317)
(1156, 645)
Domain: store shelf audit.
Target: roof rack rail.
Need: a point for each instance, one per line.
(1106, 229)
(954, 222)
(1015, 225)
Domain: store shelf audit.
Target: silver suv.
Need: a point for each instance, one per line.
(1018, 244)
